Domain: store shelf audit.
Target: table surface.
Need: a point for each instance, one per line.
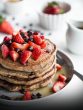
(59, 38)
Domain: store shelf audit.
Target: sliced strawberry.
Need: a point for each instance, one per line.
(43, 45)
(37, 39)
(33, 44)
(5, 26)
(42, 37)
(18, 38)
(62, 78)
(5, 51)
(6, 39)
(58, 86)
(25, 55)
(20, 46)
(27, 95)
(14, 55)
(36, 53)
(59, 67)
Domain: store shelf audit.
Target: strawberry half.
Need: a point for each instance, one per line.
(20, 46)
(59, 67)
(27, 95)
(43, 45)
(5, 26)
(33, 44)
(6, 39)
(14, 55)
(18, 38)
(5, 51)
(36, 53)
(58, 86)
(62, 78)
(37, 39)
(25, 55)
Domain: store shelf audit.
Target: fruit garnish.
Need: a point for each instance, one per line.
(14, 55)
(18, 38)
(59, 67)
(5, 51)
(27, 95)
(42, 37)
(43, 45)
(61, 78)
(6, 39)
(33, 44)
(5, 26)
(25, 55)
(58, 86)
(53, 3)
(36, 53)
(37, 39)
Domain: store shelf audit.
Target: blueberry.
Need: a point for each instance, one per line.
(31, 38)
(26, 39)
(30, 48)
(22, 34)
(17, 50)
(33, 96)
(30, 33)
(39, 95)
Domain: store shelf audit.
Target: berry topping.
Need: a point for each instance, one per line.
(18, 38)
(59, 67)
(62, 78)
(14, 55)
(5, 51)
(43, 45)
(35, 33)
(37, 39)
(42, 37)
(27, 95)
(25, 56)
(30, 48)
(58, 86)
(36, 53)
(6, 39)
(30, 33)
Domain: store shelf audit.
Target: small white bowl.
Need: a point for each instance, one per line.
(15, 8)
(53, 22)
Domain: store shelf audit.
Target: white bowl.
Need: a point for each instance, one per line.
(15, 8)
(53, 22)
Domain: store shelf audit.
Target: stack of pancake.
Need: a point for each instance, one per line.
(36, 74)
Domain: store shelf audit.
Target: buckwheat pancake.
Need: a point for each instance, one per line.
(32, 65)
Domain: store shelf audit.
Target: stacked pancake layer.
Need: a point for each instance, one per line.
(36, 74)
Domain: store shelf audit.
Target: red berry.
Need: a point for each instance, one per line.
(33, 44)
(35, 33)
(36, 53)
(25, 55)
(58, 86)
(14, 55)
(5, 51)
(59, 67)
(27, 95)
(6, 39)
(62, 78)
(43, 45)
(42, 37)
(37, 39)
(18, 38)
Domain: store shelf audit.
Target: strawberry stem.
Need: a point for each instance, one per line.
(53, 4)
(1, 19)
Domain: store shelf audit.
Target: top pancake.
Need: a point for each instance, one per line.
(32, 65)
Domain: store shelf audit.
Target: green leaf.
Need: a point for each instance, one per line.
(1, 19)
(53, 4)
(62, 11)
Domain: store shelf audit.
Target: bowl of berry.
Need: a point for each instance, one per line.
(53, 14)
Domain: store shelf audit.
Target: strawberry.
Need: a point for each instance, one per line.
(5, 26)
(6, 39)
(20, 46)
(62, 78)
(37, 39)
(58, 86)
(33, 44)
(59, 67)
(36, 53)
(27, 95)
(43, 45)
(25, 55)
(5, 51)
(18, 38)
(14, 55)
(42, 37)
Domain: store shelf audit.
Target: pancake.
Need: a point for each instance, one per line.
(32, 65)
(31, 81)
(13, 88)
